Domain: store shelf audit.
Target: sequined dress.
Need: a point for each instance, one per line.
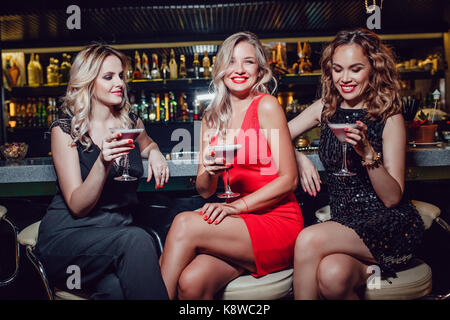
(391, 234)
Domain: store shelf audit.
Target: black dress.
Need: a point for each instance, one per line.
(117, 260)
(391, 234)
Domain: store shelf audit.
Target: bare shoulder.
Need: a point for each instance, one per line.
(269, 109)
(394, 125)
(58, 135)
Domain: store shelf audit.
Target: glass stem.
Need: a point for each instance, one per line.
(125, 165)
(344, 156)
(227, 187)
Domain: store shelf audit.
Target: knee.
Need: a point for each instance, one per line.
(309, 243)
(135, 238)
(191, 286)
(335, 277)
(108, 288)
(183, 226)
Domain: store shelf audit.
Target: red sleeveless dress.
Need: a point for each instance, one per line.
(273, 230)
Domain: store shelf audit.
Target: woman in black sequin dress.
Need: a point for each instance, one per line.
(89, 222)
(371, 222)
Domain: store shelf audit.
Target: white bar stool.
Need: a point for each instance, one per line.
(415, 280)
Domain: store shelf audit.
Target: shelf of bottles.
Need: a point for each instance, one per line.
(161, 92)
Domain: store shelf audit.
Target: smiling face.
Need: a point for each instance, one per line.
(109, 85)
(350, 73)
(242, 72)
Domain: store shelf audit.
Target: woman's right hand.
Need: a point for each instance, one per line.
(212, 164)
(114, 147)
(309, 176)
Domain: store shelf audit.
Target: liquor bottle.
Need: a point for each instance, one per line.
(165, 71)
(34, 118)
(134, 108)
(163, 109)
(155, 70)
(196, 105)
(196, 66)
(32, 74)
(40, 74)
(173, 107)
(280, 62)
(184, 108)
(65, 68)
(182, 72)
(6, 76)
(14, 73)
(50, 112)
(137, 74)
(173, 67)
(213, 63)
(145, 67)
(130, 69)
(57, 74)
(206, 65)
(144, 108)
(158, 108)
(43, 113)
(152, 108)
(51, 72)
(28, 114)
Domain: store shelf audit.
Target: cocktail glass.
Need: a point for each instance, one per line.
(339, 132)
(228, 152)
(126, 134)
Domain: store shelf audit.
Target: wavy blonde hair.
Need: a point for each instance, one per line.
(77, 101)
(383, 93)
(218, 112)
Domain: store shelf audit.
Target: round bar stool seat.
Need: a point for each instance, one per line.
(273, 286)
(414, 280)
(28, 238)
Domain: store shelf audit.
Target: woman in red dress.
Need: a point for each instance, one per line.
(255, 232)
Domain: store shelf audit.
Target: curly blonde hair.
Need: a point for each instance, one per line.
(77, 101)
(383, 93)
(218, 112)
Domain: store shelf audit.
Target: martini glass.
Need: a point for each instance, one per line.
(126, 134)
(228, 152)
(339, 132)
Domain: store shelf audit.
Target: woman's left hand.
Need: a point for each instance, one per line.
(158, 166)
(358, 139)
(216, 212)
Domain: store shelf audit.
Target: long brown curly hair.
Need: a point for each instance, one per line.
(382, 95)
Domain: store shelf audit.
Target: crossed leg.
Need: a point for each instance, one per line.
(190, 236)
(328, 262)
(205, 276)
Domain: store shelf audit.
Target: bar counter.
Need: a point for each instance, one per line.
(36, 176)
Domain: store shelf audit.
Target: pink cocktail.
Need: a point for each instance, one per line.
(339, 131)
(228, 152)
(126, 134)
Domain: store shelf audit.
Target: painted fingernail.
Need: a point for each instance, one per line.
(201, 212)
(130, 141)
(216, 222)
(205, 218)
(209, 221)
(213, 154)
(345, 128)
(119, 134)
